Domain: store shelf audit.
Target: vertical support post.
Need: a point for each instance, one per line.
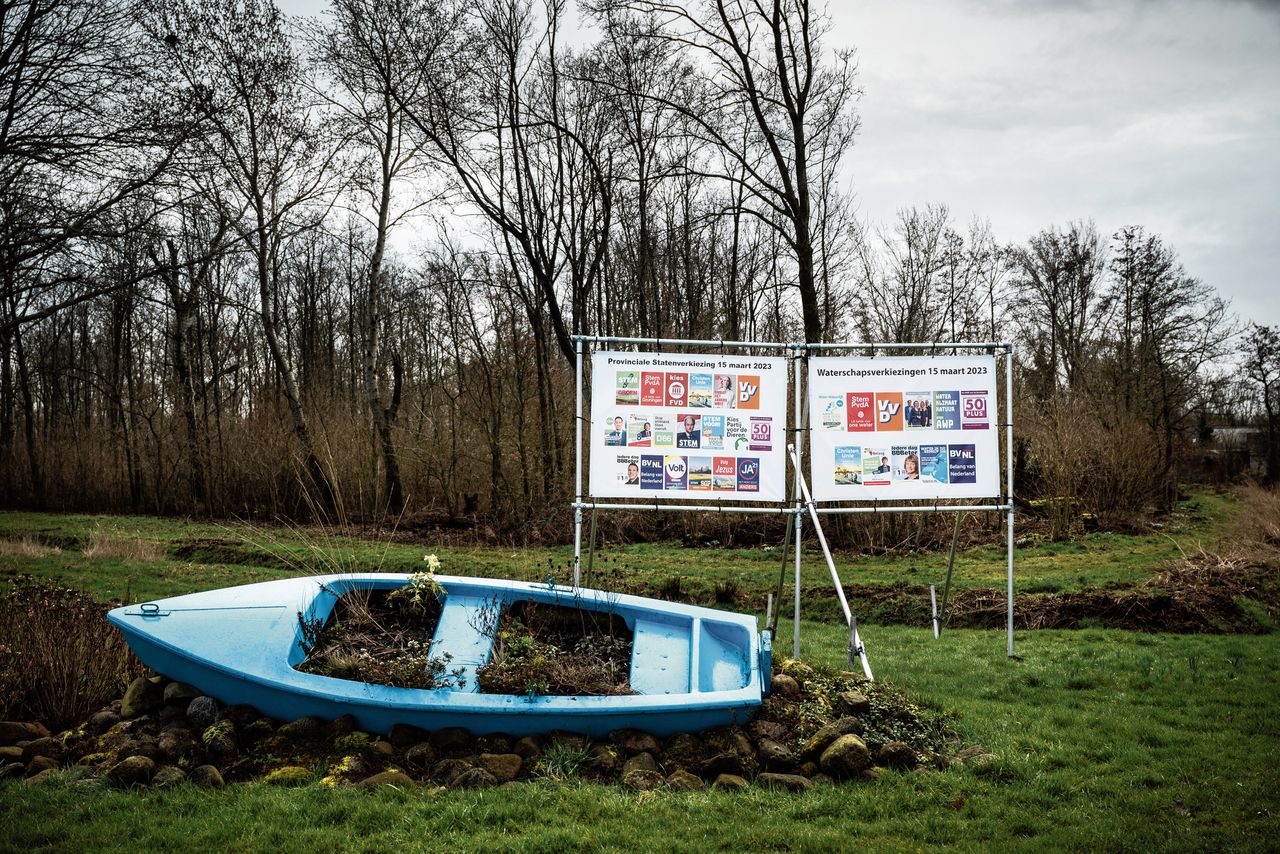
(1008, 461)
(577, 467)
(933, 607)
(799, 521)
(591, 545)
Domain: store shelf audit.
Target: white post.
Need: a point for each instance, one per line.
(933, 603)
(577, 471)
(1008, 454)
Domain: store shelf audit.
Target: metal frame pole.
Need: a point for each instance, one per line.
(799, 523)
(1008, 455)
(577, 468)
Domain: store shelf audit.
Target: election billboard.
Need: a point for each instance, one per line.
(903, 427)
(675, 425)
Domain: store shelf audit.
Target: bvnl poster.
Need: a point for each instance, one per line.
(668, 425)
(899, 427)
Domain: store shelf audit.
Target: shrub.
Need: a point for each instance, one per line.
(60, 660)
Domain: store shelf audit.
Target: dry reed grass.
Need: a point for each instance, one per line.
(28, 547)
(104, 545)
(1258, 521)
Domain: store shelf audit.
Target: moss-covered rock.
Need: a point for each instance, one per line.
(684, 781)
(504, 767)
(351, 742)
(348, 769)
(785, 782)
(301, 729)
(814, 746)
(134, 771)
(391, 777)
(206, 777)
(290, 775)
(141, 697)
(220, 738)
(846, 757)
(731, 782)
(176, 692)
(642, 780)
(169, 775)
(639, 762)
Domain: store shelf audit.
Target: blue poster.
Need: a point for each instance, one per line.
(650, 472)
(946, 410)
(933, 463)
(962, 464)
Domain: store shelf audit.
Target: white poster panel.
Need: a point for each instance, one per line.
(899, 427)
(675, 425)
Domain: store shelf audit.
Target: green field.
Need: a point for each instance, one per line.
(1106, 739)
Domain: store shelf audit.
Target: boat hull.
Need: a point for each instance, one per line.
(696, 668)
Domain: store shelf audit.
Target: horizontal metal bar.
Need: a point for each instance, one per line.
(699, 342)
(687, 508)
(937, 345)
(911, 508)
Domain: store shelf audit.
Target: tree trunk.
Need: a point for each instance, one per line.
(288, 384)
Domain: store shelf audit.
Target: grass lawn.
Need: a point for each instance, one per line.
(1106, 739)
(144, 557)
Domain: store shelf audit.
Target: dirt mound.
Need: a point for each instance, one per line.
(1202, 593)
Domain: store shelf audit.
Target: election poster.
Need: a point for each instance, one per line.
(671, 425)
(892, 428)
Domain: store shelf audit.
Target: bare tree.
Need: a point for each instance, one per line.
(373, 74)
(1058, 287)
(81, 136)
(523, 149)
(1163, 328)
(263, 132)
(768, 70)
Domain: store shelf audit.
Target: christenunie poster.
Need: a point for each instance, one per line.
(903, 427)
(674, 425)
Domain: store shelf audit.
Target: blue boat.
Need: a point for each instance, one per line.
(692, 668)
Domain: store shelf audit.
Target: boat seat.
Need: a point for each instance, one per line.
(661, 656)
(466, 631)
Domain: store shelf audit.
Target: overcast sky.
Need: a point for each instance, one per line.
(1035, 112)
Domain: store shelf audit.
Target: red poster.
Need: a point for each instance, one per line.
(652, 389)
(677, 389)
(725, 475)
(860, 411)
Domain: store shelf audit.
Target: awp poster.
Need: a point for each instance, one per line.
(899, 427)
(674, 425)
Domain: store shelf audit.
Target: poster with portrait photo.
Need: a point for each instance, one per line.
(877, 466)
(639, 430)
(905, 460)
(689, 431)
(918, 410)
(629, 471)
